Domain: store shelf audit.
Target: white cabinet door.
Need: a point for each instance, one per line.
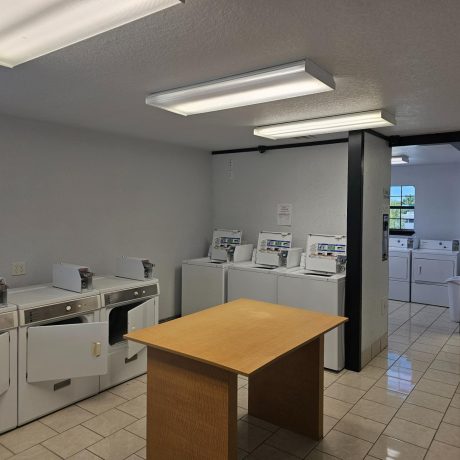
(432, 270)
(144, 315)
(399, 268)
(4, 362)
(67, 351)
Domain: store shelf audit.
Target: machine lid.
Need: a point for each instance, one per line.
(111, 283)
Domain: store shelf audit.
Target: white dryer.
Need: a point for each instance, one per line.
(126, 305)
(8, 367)
(62, 348)
(400, 268)
(432, 264)
(318, 287)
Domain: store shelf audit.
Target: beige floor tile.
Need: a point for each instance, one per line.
(441, 376)
(328, 423)
(265, 452)
(357, 380)
(449, 357)
(241, 455)
(410, 363)
(422, 352)
(428, 400)
(136, 407)
(139, 428)
(72, 441)
(66, 418)
(397, 346)
(389, 355)
(384, 363)
(373, 411)
(344, 393)
(387, 448)
(452, 416)
(451, 349)
(420, 415)
(5, 453)
(241, 412)
(117, 446)
(335, 408)
(108, 422)
(36, 453)
(450, 434)
(84, 455)
(142, 378)
(243, 398)
(101, 402)
(445, 366)
(292, 443)
(394, 384)
(142, 453)
(440, 451)
(130, 389)
(372, 372)
(260, 423)
(344, 446)
(251, 436)
(436, 388)
(456, 400)
(386, 397)
(360, 427)
(404, 373)
(26, 436)
(318, 455)
(410, 432)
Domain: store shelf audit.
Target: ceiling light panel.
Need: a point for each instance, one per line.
(272, 84)
(334, 124)
(400, 160)
(32, 28)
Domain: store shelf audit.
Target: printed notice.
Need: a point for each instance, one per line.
(284, 214)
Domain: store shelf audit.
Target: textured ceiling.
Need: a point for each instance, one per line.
(398, 55)
(428, 154)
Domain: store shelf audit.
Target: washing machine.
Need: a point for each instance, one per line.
(400, 268)
(126, 305)
(204, 280)
(8, 367)
(320, 286)
(257, 279)
(432, 264)
(62, 348)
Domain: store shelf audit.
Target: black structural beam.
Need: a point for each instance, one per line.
(425, 139)
(353, 291)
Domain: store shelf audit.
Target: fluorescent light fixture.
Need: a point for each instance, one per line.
(400, 160)
(32, 28)
(282, 82)
(335, 124)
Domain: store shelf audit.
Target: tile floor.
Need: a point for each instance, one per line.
(404, 405)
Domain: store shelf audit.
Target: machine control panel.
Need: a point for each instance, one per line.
(449, 245)
(224, 243)
(135, 268)
(326, 253)
(403, 243)
(269, 246)
(72, 277)
(61, 309)
(3, 292)
(8, 320)
(127, 295)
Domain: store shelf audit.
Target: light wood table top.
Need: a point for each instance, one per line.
(241, 336)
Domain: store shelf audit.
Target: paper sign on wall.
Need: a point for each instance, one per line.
(284, 214)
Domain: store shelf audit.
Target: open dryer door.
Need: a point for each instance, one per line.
(4, 362)
(66, 351)
(142, 316)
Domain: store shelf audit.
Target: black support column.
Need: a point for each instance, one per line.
(353, 293)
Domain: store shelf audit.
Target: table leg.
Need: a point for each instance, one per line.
(191, 409)
(289, 392)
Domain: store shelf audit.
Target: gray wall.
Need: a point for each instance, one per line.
(437, 192)
(377, 173)
(313, 179)
(85, 197)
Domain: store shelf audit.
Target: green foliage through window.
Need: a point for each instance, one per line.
(402, 207)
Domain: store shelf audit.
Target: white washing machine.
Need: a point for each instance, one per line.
(318, 287)
(62, 348)
(257, 279)
(126, 305)
(432, 264)
(8, 367)
(400, 268)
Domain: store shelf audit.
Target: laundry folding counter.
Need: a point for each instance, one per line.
(193, 363)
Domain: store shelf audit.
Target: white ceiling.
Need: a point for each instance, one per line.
(401, 56)
(428, 154)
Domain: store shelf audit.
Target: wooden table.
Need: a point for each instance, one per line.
(193, 363)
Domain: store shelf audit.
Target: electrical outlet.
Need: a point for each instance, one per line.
(18, 268)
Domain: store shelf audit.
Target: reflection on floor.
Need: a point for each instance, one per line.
(404, 405)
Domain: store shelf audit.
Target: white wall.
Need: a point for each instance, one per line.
(377, 171)
(86, 197)
(313, 179)
(437, 192)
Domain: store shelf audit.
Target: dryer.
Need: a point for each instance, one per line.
(126, 305)
(400, 268)
(62, 348)
(8, 367)
(432, 264)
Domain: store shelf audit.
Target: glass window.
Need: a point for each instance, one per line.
(402, 209)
